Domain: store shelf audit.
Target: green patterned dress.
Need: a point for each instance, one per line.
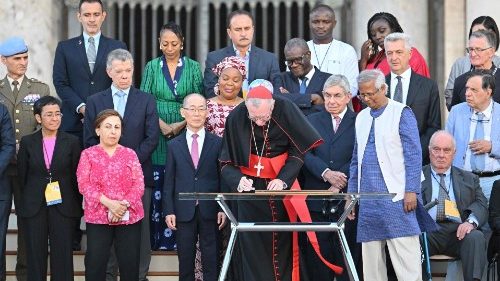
(167, 104)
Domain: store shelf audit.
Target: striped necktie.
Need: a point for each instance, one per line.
(91, 54)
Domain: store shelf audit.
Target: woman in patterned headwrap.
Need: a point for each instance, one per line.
(231, 71)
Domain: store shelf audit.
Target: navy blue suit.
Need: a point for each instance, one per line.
(335, 153)
(303, 101)
(191, 219)
(73, 80)
(262, 65)
(140, 130)
(7, 150)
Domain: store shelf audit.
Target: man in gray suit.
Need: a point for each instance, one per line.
(260, 64)
(461, 209)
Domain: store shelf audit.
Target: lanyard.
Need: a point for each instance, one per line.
(48, 160)
(447, 190)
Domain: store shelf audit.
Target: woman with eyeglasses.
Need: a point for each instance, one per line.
(169, 78)
(481, 49)
(463, 64)
(49, 197)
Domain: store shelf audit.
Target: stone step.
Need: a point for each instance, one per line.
(79, 276)
(161, 261)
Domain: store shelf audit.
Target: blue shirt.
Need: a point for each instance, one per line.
(97, 38)
(116, 98)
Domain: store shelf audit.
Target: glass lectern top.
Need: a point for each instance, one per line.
(266, 195)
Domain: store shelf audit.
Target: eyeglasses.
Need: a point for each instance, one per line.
(263, 118)
(50, 115)
(299, 60)
(195, 110)
(368, 95)
(437, 150)
(479, 120)
(476, 50)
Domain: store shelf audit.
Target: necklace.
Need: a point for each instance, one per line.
(259, 166)
(316, 54)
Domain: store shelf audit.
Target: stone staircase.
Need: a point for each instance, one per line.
(164, 264)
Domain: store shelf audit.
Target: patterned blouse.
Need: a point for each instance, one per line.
(118, 177)
(216, 117)
(168, 104)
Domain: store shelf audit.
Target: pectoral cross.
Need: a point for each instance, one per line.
(258, 167)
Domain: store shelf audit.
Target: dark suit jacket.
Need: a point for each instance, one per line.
(33, 175)
(335, 153)
(315, 86)
(7, 150)
(181, 176)
(263, 65)
(468, 194)
(494, 207)
(72, 77)
(459, 89)
(423, 99)
(140, 130)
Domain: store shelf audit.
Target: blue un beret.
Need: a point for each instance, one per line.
(13, 46)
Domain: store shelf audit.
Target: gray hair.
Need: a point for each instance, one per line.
(441, 133)
(120, 55)
(188, 97)
(296, 43)
(397, 36)
(337, 80)
(369, 75)
(255, 102)
(486, 34)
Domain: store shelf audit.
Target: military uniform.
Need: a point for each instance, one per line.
(24, 123)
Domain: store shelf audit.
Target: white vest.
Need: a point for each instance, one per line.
(387, 144)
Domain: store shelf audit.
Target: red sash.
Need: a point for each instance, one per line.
(295, 206)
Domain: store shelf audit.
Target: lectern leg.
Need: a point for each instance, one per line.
(351, 268)
(229, 253)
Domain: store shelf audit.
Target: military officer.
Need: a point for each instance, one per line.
(18, 93)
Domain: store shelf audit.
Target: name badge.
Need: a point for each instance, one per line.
(451, 211)
(53, 193)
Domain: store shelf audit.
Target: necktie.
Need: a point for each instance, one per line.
(91, 54)
(337, 123)
(477, 162)
(15, 91)
(120, 107)
(442, 196)
(398, 93)
(194, 151)
(303, 86)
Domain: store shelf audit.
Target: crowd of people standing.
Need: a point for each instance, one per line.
(119, 155)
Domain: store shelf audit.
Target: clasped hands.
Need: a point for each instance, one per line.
(117, 209)
(337, 180)
(480, 146)
(247, 185)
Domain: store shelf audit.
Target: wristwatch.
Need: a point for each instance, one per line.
(472, 222)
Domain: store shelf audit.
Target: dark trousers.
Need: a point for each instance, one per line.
(5, 206)
(100, 238)
(471, 249)
(187, 235)
(21, 271)
(330, 249)
(49, 223)
(145, 246)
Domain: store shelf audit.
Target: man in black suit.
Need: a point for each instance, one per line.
(327, 167)
(192, 166)
(140, 130)
(466, 209)
(421, 94)
(303, 84)
(80, 65)
(260, 64)
(7, 151)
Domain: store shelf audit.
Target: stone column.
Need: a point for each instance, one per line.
(203, 23)
(74, 26)
(412, 16)
(40, 23)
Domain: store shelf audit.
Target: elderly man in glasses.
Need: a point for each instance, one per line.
(481, 50)
(303, 83)
(475, 125)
